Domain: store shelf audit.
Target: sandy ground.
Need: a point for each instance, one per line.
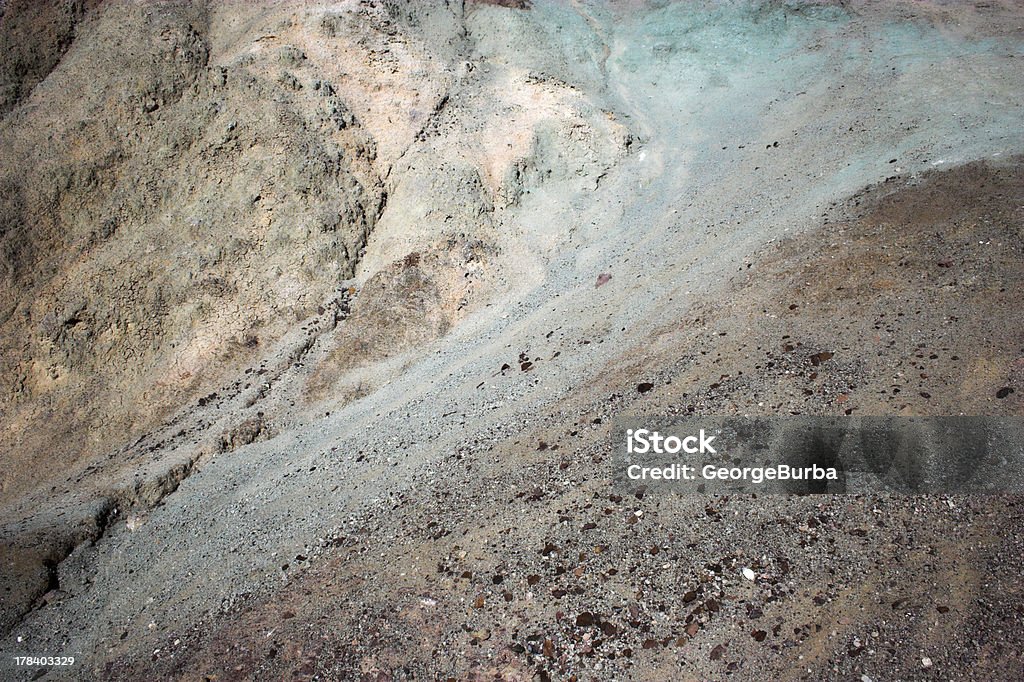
(412, 480)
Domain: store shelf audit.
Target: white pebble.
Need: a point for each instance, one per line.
(748, 574)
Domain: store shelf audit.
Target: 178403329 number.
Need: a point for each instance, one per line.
(44, 660)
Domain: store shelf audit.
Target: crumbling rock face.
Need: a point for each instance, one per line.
(168, 221)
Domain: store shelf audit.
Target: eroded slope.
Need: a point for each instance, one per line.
(434, 256)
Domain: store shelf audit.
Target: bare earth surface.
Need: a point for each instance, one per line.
(314, 319)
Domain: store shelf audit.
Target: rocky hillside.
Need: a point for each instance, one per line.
(314, 319)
